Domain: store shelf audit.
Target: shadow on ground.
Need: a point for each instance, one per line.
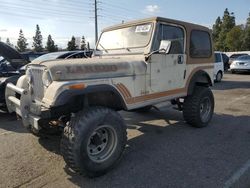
(6, 123)
(174, 154)
(227, 85)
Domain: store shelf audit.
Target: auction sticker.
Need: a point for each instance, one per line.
(143, 28)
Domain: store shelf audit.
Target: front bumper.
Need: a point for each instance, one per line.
(19, 100)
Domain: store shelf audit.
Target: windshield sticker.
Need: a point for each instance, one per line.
(143, 28)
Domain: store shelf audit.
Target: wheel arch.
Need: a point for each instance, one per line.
(101, 95)
(199, 78)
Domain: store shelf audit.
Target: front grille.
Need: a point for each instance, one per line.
(37, 82)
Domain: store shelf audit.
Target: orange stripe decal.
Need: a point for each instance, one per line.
(131, 100)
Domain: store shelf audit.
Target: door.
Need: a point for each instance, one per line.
(167, 70)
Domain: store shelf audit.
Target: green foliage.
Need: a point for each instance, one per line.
(8, 42)
(38, 40)
(88, 46)
(221, 28)
(229, 37)
(51, 47)
(234, 38)
(246, 37)
(83, 43)
(72, 44)
(21, 42)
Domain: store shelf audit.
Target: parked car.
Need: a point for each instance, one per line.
(30, 56)
(63, 55)
(218, 66)
(235, 56)
(241, 64)
(11, 60)
(13, 65)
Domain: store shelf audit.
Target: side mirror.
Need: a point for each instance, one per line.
(165, 46)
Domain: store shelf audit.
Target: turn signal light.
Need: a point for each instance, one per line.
(77, 86)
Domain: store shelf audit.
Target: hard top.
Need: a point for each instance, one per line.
(158, 19)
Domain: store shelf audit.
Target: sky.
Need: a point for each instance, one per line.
(63, 18)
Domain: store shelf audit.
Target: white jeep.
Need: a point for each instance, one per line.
(135, 66)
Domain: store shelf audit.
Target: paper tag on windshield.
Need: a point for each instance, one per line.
(142, 28)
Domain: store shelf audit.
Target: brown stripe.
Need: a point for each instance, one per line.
(121, 91)
(125, 89)
(194, 71)
(130, 100)
(155, 95)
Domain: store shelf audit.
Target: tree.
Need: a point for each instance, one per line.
(216, 31)
(246, 37)
(8, 42)
(72, 44)
(21, 42)
(83, 43)
(220, 32)
(88, 47)
(234, 39)
(38, 40)
(51, 47)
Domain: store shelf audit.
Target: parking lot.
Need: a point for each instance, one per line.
(162, 150)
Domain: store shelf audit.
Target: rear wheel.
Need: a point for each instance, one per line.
(218, 77)
(93, 141)
(198, 108)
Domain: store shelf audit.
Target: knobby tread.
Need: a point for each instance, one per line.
(191, 106)
(71, 136)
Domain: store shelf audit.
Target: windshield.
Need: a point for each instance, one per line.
(124, 38)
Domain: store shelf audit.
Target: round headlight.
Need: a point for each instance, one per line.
(46, 78)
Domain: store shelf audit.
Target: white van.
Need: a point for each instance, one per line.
(218, 66)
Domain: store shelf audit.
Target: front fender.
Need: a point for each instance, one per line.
(61, 94)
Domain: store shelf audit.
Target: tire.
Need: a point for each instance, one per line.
(198, 108)
(143, 109)
(93, 141)
(232, 71)
(218, 77)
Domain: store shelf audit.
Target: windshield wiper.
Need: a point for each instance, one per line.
(103, 48)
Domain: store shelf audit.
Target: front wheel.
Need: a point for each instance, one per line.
(198, 108)
(93, 141)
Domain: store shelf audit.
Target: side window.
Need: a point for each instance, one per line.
(217, 58)
(200, 44)
(174, 34)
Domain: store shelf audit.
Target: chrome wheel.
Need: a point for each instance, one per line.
(102, 143)
(205, 109)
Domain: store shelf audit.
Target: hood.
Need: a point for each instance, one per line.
(12, 56)
(96, 67)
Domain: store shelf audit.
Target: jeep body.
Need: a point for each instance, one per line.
(135, 65)
(127, 71)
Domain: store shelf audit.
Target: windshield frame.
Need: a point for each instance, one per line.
(127, 26)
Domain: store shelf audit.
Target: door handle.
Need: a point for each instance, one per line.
(180, 59)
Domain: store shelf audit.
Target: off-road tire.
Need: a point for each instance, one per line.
(219, 76)
(78, 136)
(194, 105)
